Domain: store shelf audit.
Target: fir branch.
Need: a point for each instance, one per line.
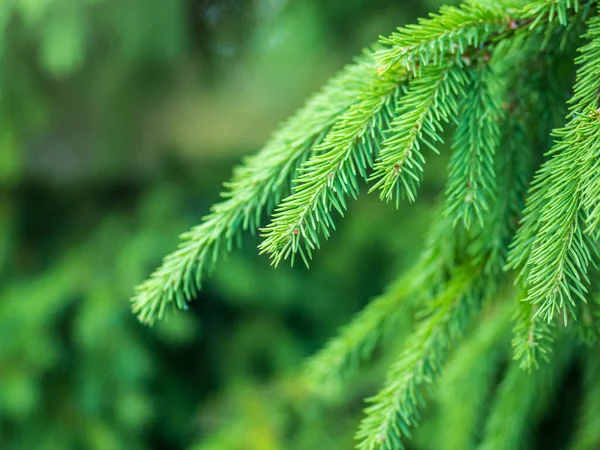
(513, 166)
(560, 256)
(431, 100)
(521, 398)
(543, 11)
(425, 281)
(451, 32)
(471, 188)
(386, 173)
(523, 92)
(586, 106)
(332, 172)
(255, 187)
(586, 109)
(590, 183)
(394, 410)
(532, 338)
(521, 246)
(531, 104)
(468, 379)
(559, 251)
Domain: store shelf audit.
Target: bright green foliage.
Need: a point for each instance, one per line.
(452, 32)
(590, 183)
(331, 174)
(550, 10)
(560, 252)
(497, 75)
(395, 408)
(532, 336)
(472, 185)
(256, 186)
(462, 396)
(431, 100)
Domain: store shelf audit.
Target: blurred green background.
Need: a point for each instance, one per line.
(119, 121)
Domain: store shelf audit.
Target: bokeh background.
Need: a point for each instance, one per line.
(119, 122)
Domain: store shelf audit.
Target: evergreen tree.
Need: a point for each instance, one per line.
(514, 243)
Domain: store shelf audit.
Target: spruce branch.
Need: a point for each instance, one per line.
(530, 103)
(430, 101)
(587, 107)
(471, 189)
(393, 156)
(449, 33)
(543, 11)
(555, 254)
(532, 337)
(590, 183)
(468, 379)
(513, 165)
(484, 67)
(394, 410)
(561, 254)
(263, 180)
(254, 188)
(331, 174)
(587, 112)
(454, 31)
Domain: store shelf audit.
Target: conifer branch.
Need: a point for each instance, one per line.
(532, 337)
(451, 32)
(471, 188)
(394, 410)
(541, 11)
(587, 106)
(431, 100)
(525, 102)
(463, 65)
(590, 184)
(256, 186)
(559, 251)
(521, 246)
(389, 167)
(332, 172)
(512, 174)
(468, 380)
(560, 256)
(536, 101)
